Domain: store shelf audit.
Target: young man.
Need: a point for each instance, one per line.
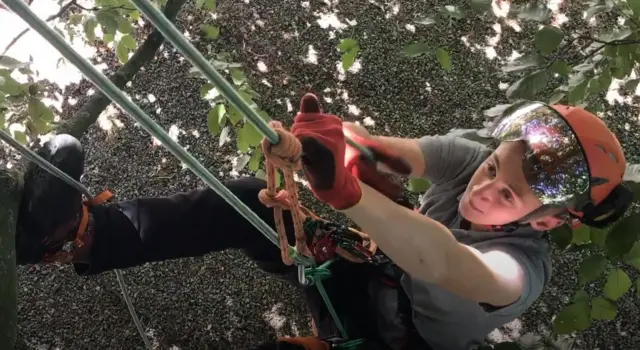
(473, 256)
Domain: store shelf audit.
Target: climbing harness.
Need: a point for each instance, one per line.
(282, 151)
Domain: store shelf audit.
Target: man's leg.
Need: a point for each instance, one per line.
(134, 232)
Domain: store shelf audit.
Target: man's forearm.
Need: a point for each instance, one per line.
(408, 149)
(419, 245)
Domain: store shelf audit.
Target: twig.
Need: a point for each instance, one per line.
(96, 8)
(62, 10)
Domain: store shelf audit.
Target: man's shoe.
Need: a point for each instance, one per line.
(51, 211)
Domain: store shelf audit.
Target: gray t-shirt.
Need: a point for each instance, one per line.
(445, 320)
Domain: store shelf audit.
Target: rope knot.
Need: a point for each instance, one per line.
(278, 199)
(286, 154)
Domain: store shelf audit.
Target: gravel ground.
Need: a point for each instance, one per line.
(222, 301)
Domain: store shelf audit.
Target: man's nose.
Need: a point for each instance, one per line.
(484, 192)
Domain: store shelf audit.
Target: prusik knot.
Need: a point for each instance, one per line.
(285, 154)
(278, 199)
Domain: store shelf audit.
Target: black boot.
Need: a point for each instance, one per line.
(51, 210)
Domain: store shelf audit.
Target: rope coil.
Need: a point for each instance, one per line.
(286, 156)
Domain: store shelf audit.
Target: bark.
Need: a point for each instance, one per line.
(10, 186)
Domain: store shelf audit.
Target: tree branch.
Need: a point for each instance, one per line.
(90, 111)
(60, 12)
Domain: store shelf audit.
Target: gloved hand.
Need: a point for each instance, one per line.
(324, 157)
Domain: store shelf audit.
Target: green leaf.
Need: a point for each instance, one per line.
(237, 76)
(124, 26)
(623, 235)
(595, 10)
(12, 63)
(262, 175)
(452, 11)
(264, 115)
(561, 67)
(122, 52)
(618, 283)
(529, 86)
(417, 184)
(20, 137)
(548, 39)
(580, 296)
(562, 236)
(574, 317)
(577, 94)
(234, 115)
(39, 110)
(416, 49)
(633, 257)
(90, 29)
(128, 41)
(631, 85)
(243, 146)
(256, 158)
(347, 44)
(591, 269)
(557, 97)
(598, 236)
(211, 32)
(444, 59)
(522, 63)
(635, 6)
(481, 5)
(215, 117)
(348, 58)
(251, 135)
(426, 20)
(534, 12)
(581, 235)
(107, 38)
(108, 21)
(602, 309)
(210, 4)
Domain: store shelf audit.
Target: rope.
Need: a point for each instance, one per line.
(286, 156)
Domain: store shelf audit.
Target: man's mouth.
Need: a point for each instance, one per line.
(474, 207)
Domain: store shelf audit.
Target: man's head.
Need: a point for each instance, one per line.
(550, 161)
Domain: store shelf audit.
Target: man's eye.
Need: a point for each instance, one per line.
(507, 195)
(491, 170)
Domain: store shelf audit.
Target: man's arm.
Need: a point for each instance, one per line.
(427, 250)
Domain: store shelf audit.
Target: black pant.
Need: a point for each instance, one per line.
(195, 223)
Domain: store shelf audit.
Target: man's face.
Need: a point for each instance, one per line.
(498, 192)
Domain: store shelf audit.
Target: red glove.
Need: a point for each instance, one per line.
(323, 159)
(366, 170)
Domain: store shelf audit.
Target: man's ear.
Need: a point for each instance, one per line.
(546, 223)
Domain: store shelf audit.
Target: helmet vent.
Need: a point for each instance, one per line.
(611, 155)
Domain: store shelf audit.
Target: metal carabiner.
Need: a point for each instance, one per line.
(302, 278)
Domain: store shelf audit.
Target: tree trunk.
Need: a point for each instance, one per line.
(11, 181)
(10, 186)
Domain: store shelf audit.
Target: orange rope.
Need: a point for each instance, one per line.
(286, 156)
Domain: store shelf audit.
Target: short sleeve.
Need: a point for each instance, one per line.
(448, 157)
(537, 272)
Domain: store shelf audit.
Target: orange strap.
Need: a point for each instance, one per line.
(286, 156)
(309, 343)
(84, 220)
